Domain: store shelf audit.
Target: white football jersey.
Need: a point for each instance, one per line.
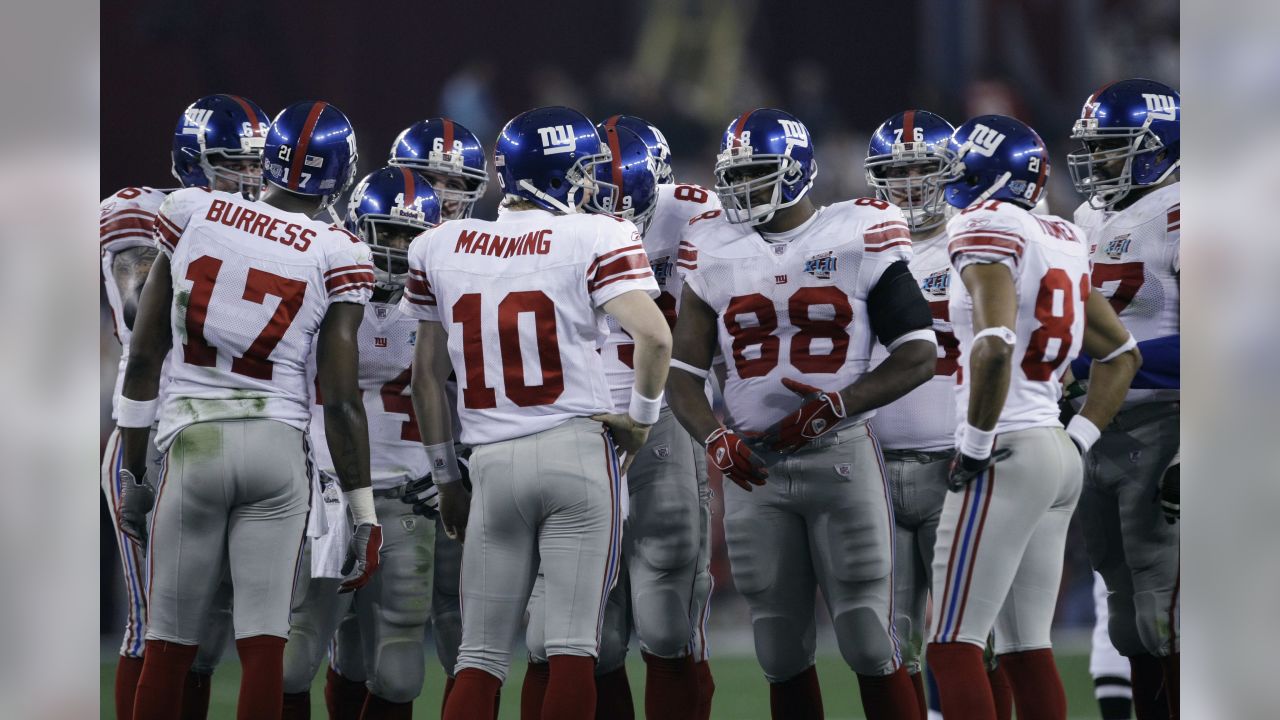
(924, 418)
(677, 205)
(251, 285)
(795, 307)
(1049, 259)
(521, 299)
(125, 220)
(1136, 265)
(396, 455)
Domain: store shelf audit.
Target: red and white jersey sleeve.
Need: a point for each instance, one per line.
(386, 340)
(251, 285)
(924, 419)
(1049, 258)
(521, 299)
(793, 308)
(677, 205)
(125, 220)
(1136, 264)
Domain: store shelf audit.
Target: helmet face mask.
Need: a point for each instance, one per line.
(389, 239)
(451, 157)
(234, 172)
(765, 164)
(1103, 169)
(388, 209)
(218, 144)
(1129, 132)
(915, 186)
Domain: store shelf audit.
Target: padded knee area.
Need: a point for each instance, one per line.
(1155, 631)
(667, 538)
(752, 571)
(399, 672)
(864, 643)
(661, 616)
(781, 649)
(302, 659)
(859, 551)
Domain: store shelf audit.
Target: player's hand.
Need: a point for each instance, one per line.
(1170, 492)
(964, 468)
(628, 434)
(819, 414)
(455, 506)
(728, 452)
(424, 496)
(137, 497)
(364, 555)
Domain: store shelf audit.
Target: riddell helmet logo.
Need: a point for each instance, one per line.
(984, 141)
(557, 139)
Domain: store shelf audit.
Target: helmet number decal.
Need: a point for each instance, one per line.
(1160, 107)
(437, 145)
(917, 135)
(557, 139)
(984, 140)
(1033, 163)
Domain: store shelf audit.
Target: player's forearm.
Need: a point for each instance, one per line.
(652, 359)
(909, 366)
(134, 449)
(1108, 384)
(990, 368)
(431, 406)
(347, 431)
(688, 400)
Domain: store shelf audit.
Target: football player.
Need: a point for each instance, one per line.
(217, 144)
(1021, 311)
(239, 291)
(1128, 171)
(661, 541)
(386, 210)
(793, 296)
(516, 308)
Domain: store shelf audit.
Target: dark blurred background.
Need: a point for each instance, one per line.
(688, 66)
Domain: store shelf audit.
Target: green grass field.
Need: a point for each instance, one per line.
(741, 692)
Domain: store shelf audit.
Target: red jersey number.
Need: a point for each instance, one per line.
(1129, 277)
(759, 333)
(948, 344)
(1050, 344)
(477, 395)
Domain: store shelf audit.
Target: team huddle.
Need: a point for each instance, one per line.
(335, 430)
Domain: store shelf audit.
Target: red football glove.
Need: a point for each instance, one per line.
(727, 451)
(819, 414)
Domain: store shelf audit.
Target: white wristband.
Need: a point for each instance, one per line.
(360, 502)
(1000, 332)
(976, 443)
(1083, 432)
(136, 413)
(443, 463)
(644, 410)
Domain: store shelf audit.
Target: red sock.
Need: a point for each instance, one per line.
(473, 697)
(297, 706)
(376, 708)
(534, 690)
(195, 696)
(164, 670)
(261, 677)
(1001, 692)
(962, 681)
(1150, 701)
(888, 696)
(613, 696)
(922, 702)
(706, 689)
(1037, 689)
(343, 698)
(670, 688)
(1171, 679)
(128, 670)
(448, 688)
(571, 690)
(497, 702)
(799, 698)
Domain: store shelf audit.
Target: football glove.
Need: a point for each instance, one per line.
(137, 497)
(819, 414)
(964, 468)
(363, 557)
(728, 452)
(424, 496)
(1170, 491)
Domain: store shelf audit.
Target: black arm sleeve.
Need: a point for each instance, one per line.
(896, 306)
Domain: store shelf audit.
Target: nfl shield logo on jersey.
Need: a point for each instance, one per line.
(820, 266)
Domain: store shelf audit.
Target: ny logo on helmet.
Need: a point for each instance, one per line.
(1160, 107)
(984, 141)
(794, 133)
(558, 139)
(194, 120)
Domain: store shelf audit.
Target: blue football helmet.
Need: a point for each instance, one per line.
(995, 157)
(763, 152)
(548, 156)
(1130, 135)
(907, 162)
(442, 147)
(654, 139)
(311, 150)
(628, 187)
(220, 127)
(388, 208)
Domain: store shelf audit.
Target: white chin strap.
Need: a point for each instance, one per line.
(995, 187)
(566, 209)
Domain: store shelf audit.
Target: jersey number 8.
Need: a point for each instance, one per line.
(808, 329)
